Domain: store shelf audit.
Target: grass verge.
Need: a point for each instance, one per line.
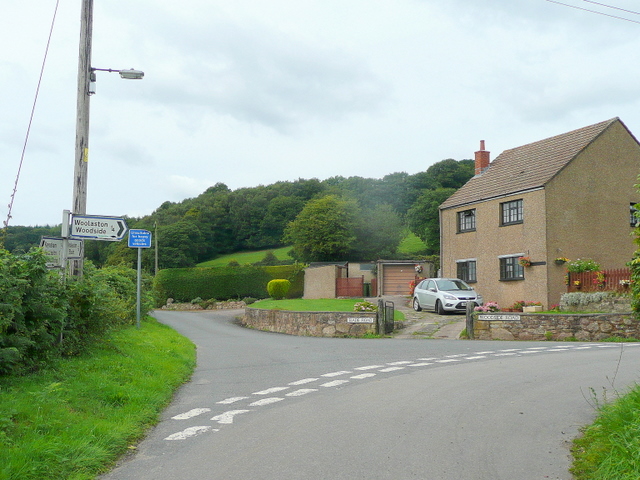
(247, 257)
(74, 419)
(316, 305)
(609, 448)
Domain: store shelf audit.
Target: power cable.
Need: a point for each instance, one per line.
(595, 11)
(612, 6)
(26, 140)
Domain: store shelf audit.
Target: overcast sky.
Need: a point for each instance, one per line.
(251, 92)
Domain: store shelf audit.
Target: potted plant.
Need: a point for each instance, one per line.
(561, 260)
(524, 261)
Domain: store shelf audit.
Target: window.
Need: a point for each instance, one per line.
(510, 268)
(467, 221)
(466, 270)
(633, 215)
(511, 212)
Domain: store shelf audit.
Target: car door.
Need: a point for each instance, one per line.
(429, 294)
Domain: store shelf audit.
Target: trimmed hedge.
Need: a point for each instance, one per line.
(224, 283)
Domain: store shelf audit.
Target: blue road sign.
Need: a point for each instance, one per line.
(139, 238)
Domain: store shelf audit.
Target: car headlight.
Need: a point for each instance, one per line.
(449, 297)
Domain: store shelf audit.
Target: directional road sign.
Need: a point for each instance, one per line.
(95, 227)
(53, 247)
(139, 238)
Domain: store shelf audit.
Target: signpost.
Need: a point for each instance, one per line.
(95, 227)
(54, 249)
(139, 239)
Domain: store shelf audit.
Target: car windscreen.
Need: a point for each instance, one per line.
(449, 285)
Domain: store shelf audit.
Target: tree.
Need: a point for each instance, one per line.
(378, 233)
(424, 217)
(323, 230)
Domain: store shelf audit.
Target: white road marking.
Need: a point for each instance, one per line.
(581, 348)
(190, 432)
(303, 381)
(530, 351)
(336, 374)
(456, 356)
(426, 359)
(231, 400)
(475, 357)
(363, 376)
(404, 362)
(369, 367)
(421, 364)
(227, 417)
(300, 392)
(511, 350)
(391, 369)
(191, 413)
(504, 354)
(270, 390)
(557, 350)
(335, 383)
(448, 360)
(537, 348)
(266, 401)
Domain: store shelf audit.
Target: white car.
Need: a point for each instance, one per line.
(444, 295)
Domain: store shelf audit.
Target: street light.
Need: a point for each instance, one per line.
(86, 88)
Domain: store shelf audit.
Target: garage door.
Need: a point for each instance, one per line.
(397, 279)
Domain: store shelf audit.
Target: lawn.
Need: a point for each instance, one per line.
(316, 305)
(74, 419)
(244, 258)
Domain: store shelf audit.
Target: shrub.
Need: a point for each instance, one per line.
(488, 307)
(582, 265)
(365, 307)
(278, 288)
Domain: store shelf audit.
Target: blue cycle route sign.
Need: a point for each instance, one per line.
(139, 238)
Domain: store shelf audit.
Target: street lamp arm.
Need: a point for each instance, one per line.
(127, 74)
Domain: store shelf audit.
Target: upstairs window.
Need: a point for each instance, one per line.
(467, 221)
(510, 268)
(511, 212)
(466, 270)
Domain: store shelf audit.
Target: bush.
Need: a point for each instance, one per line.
(223, 283)
(278, 288)
(582, 265)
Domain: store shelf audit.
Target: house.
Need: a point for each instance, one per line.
(570, 196)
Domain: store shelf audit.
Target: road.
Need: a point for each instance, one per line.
(270, 406)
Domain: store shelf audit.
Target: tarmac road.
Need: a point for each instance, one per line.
(269, 406)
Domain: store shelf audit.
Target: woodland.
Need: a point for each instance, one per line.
(337, 219)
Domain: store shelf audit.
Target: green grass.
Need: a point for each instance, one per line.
(74, 419)
(247, 257)
(610, 448)
(316, 305)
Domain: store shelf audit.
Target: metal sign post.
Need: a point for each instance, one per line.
(139, 239)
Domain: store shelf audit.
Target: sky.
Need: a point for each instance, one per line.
(252, 92)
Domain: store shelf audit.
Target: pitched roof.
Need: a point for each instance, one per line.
(527, 167)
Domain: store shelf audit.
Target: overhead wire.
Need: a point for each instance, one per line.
(597, 12)
(26, 140)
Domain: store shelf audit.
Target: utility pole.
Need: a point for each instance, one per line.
(82, 120)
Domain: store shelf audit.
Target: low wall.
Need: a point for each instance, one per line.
(316, 324)
(536, 326)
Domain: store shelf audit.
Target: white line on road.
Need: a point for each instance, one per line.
(363, 376)
(190, 432)
(427, 359)
(448, 360)
(300, 392)
(456, 356)
(336, 374)
(404, 362)
(369, 367)
(303, 381)
(229, 401)
(227, 417)
(391, 369)
(266, 401)
(335, 383)
(421, 364)
(504, 354)
(475, 357)
(191, 413)
(270, 390)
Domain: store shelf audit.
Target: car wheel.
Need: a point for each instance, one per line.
(439, 308)
(416, 305)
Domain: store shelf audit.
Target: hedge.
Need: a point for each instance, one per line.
(224, 283)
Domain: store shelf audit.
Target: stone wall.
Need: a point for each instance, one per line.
(535, 326)
(316, 324)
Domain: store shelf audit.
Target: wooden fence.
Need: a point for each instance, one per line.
(616, 280)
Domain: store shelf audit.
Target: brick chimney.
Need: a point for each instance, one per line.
(482, 159)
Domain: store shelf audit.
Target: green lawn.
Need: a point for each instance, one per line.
(246, 257)
(316, 305)
(74, 419)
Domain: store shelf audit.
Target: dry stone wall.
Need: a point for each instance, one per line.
(316, 324)
(532, 326)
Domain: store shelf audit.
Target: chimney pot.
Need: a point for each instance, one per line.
(482, 159)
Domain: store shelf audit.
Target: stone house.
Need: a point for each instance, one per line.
(571, 195)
